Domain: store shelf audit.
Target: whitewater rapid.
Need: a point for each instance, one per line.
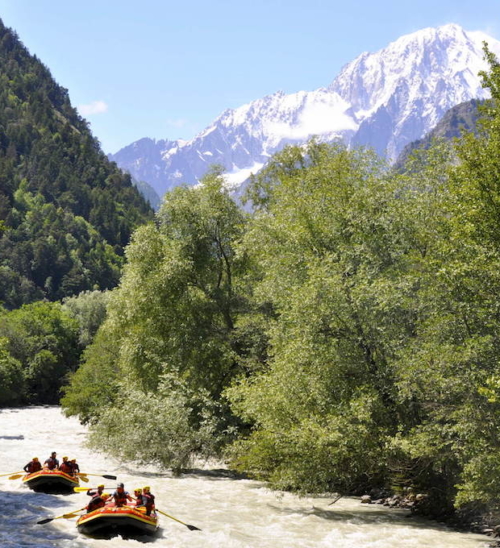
(231, 513)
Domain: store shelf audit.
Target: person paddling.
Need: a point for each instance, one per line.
(98, 501)
(120, 496)
(52, 463)
(33, 466)
(139, 499)
(66, 466)
(97, 491)
(149, 500)
(75, 469)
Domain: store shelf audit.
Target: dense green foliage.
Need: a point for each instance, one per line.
(41, 345)
(89, 310)
(170, 341)
(67, 212)
(345, 335)
(38, 347)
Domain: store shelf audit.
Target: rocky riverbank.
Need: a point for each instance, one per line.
(475, 520)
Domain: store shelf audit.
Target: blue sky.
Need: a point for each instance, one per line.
(166, 69)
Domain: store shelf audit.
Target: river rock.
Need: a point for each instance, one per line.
(366, 499)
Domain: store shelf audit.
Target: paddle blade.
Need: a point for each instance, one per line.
(70, 515)
(84, 478)
(107, 476)
(16, 476)
(190, 527)
(10, 474)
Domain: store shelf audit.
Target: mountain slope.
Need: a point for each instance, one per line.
(67, 211)
(459, 119)
(384, 100)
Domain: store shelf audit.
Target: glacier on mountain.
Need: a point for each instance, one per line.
(383, 100)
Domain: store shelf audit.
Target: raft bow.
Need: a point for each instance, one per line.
(122, 520)
(51, 481)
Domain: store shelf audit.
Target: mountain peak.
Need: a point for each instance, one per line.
(383, 100)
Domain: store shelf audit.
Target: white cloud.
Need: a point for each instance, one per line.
(315, 119)
(95, 107)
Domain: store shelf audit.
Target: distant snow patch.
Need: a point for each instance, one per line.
(234, 178)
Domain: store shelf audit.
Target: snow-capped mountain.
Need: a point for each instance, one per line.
(383, 100)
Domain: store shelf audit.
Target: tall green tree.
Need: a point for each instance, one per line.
(89, 309)
(460, 340)
(174, 316)
(325, 404)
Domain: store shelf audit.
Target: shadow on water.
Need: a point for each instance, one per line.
(19, 516)
(142, 539)
(212, 473)
(25, 407)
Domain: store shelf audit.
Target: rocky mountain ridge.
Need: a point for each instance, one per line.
(384, 100)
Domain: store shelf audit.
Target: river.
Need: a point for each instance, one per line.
(231, 513)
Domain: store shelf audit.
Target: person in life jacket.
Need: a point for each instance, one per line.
(98, 491)
(33, 466)
(51, 463)
(75, 469)
(149, 500)
(139, 499)
(66, 466)
(98, 501)
(120, 496)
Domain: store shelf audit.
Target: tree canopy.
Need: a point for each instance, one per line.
(343, 336)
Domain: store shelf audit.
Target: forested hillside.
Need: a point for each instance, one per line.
(66, 212)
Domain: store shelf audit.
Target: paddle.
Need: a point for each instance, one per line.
(65, 516)
(10, 474)
(82, 489)
(17, 476)
(106, 476)
(190, 527)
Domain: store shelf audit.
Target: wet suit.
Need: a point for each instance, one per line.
(140, 501)
(121, 498)
(75, 469)
(95, 503)
(149, 502)
(94, 492)
(32, 466)
(52, 463)
(66, 467)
